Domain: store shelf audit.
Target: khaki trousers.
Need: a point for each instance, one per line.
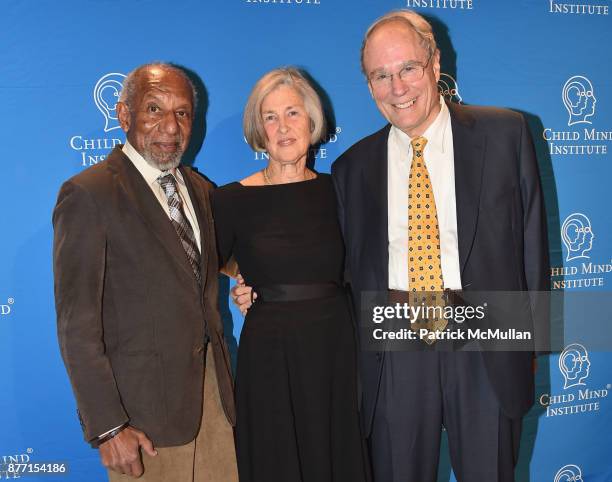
(211, 457)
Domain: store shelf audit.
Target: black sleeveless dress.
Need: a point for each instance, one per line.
(296, 395)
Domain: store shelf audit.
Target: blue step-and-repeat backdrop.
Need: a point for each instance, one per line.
(62, 64)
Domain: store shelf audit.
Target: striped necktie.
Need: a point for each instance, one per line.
(181, 223)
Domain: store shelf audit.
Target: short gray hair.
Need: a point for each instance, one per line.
(130, 82)
(412, 20)
(252, 122)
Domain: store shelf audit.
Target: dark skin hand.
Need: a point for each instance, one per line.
(122, 452)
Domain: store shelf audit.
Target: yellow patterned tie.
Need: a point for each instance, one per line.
(424, 262)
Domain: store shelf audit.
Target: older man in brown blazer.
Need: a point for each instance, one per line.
(136, 295)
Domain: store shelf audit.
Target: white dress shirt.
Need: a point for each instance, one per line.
(150, 175)
(439, 160)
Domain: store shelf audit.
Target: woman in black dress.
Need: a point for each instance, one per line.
(296, 395)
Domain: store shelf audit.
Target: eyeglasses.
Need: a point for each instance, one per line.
(409, 72)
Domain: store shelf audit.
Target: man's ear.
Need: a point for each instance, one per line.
(436, 64)
(124, 116)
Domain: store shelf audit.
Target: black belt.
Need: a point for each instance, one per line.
(273, 293)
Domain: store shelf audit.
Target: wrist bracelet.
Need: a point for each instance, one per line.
(95, 443)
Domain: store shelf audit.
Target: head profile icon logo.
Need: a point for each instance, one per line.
(569, 473)
(106, 95)
(448, 88)
(579, 100)
(577, 236)
(574, 365)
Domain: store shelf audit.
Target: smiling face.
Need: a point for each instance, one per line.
(411, 106)
(287, 125)
(158, 121)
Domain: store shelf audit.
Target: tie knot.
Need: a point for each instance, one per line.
(168, 184)
(418, 144)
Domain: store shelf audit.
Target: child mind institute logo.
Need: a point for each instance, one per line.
(577, 236)
(106, 95)
(578, 97)
(93, 149)
(579, 271)
(576, 397)
(579, 100)
(574, 365)
(448, 88)
(569, 473)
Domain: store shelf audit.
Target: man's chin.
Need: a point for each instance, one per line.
(165, 162)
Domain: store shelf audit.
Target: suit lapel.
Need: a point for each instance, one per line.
(376, 204)
(146, 206)
(469, 149)
(205, 251)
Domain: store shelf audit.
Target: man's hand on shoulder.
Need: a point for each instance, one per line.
(122, 452)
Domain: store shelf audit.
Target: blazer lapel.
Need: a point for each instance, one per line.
(376, 205)
(146, 206)
(469, 149)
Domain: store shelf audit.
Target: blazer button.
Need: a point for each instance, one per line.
(199, 350)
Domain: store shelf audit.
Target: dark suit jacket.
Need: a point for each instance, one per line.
(500, 222)
(130, 313)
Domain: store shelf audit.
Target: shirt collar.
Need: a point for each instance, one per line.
(149, 172)
(435, 134)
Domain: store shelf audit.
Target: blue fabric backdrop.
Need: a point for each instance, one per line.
(62, 64)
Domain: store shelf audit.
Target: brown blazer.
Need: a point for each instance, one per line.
(130, 313)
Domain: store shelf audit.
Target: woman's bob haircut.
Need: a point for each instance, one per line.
(252, 121)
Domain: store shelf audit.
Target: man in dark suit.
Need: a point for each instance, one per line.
(136, 295)
(485, 219)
